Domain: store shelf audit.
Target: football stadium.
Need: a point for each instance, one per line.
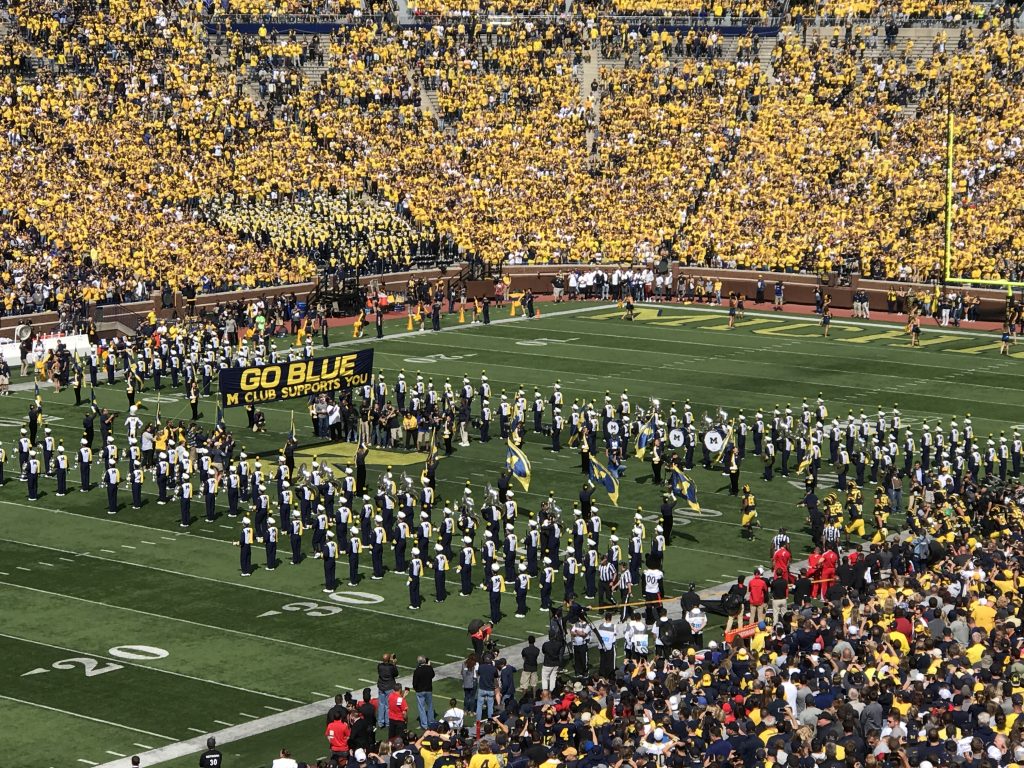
(512, 383)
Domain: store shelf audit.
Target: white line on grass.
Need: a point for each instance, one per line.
(226, 725)
(87, 762)
(127, 546)
(141, 746)
(124, 662)
(22, 568)
(48, 565)
(85, 717)
(321, 695)
(115, 754)
(194, 730)
(239, 632)
(246, 714)
(272, 709)
(359, 608)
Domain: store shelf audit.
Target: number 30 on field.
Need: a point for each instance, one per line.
(92, 667)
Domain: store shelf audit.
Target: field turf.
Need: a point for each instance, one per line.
(124, 633)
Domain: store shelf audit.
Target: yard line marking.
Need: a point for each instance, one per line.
(127, 663)
(87, 762)
(221, 722)
(86, 717)
(48, 565)
(317, 693)
(228, 527)
(198, 624)
(240, 585)
(452, 656)
(109, 551)
(272, 709)
(343, 687)
(151, 543)
(167, 538)
(115, 754)
(364, 680)
(66, 559)
(141, 746)
(246, 714)
(4, 573)
(127, 546)
(194, 730)
(21, 568)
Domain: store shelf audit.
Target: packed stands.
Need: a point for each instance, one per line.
(149, 149)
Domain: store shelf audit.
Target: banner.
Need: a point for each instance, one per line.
(301, 378)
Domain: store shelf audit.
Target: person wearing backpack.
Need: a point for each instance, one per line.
(733, 603)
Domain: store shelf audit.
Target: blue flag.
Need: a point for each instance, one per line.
(599, 475)
(518, 464)
(644, 438)
(685, 488)
(220, 416)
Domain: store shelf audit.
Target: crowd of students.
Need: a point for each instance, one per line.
(140, 155)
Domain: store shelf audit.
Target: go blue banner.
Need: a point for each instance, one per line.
(301, 378)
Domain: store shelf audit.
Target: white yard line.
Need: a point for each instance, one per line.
(127, 663)
(85, 717)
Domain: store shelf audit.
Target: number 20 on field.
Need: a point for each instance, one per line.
(91, 667)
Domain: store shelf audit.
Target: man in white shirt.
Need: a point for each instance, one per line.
(285, 760)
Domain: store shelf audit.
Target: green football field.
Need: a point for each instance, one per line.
(124, 633)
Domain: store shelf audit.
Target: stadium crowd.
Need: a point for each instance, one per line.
(145, 151)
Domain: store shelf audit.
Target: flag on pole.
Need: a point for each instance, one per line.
(600, 475)
(291, 427)
(220, 416)
(644, 437)
(685, 488)
(518, 464)
(158, 407)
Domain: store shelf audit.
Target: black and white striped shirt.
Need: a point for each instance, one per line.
(606, 572)
(778, 541)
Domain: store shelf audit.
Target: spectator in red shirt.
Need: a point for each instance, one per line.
(758, 591)
(398, 712)
(337, 734)
(781, 559)
(903, 625)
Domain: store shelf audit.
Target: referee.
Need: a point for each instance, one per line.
(211, 758)
(606, 577)
(779, 540)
